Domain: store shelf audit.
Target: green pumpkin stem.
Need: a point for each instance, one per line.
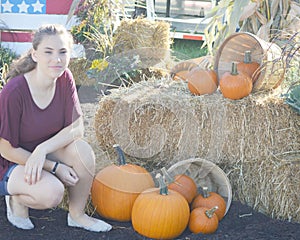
(234, 70)
(205, 192)
(210, 212)
(163, 189)
(121, 156)
(247, 57)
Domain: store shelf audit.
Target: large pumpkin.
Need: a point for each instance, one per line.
(116, 187)
(202, 81)
(235, 85)
(209, 200)
(160, 213)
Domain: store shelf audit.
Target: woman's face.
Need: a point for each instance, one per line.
(52, 55)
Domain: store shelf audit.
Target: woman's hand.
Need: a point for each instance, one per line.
(66, 174)
(34, 166)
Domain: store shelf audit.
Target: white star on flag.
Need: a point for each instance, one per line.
(23, 7)
(37, 7)
(7, 7)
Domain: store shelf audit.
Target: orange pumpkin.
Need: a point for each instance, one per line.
(203, 220)
(202, 81)
(183, 184)
(116, 187)
(160, 213)
(249, 67)
(235, 85)
(181, 70)
(209, 200)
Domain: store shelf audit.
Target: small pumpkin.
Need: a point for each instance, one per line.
(160, 213)
(203, 220)
(249, 67)
(116, 187)
(235, 85)
(181, 70)
(202, 81)
(209, 200)
(183, 184)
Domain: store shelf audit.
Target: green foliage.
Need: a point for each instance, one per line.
(6, 57)
(187, 49)
(97, 19)
(292, 98)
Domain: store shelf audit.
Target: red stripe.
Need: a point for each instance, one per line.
(191, 37)
(16, 36)
(58, 6)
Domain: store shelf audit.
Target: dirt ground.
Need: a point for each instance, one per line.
(240, 222)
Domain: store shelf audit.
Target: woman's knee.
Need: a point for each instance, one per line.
(52, 194)
(83, 153)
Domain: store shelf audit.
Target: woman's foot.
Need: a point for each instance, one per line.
(89, 223)
(22, 221)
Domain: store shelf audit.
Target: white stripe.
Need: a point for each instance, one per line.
(22, 21)
(21, 48)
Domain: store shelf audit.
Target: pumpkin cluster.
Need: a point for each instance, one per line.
(127, 192)
(234, 84)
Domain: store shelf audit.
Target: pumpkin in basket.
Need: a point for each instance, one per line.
(202, 81)
(116, 187)
(235, 85)
(203, 220)
(183, 184)
(209, 200)
(249, 67)
(160, 213)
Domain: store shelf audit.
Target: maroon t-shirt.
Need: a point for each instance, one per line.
(24, 124)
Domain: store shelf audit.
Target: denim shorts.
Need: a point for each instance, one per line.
(3, 182)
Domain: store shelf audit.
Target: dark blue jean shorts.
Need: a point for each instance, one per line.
(3, 182)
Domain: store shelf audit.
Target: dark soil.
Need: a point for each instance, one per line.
(241, 221)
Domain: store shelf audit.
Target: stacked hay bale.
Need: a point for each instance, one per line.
(158, 123)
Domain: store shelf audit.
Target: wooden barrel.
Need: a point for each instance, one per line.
(205, 174)
(269, 55)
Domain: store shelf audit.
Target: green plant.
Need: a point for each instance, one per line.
(6, 58)
(292, 98)
(97, 21)
(266, 18)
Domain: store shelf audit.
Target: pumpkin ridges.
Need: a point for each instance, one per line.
(154, 215)
(249, 67)
(235, 85)
(183, 184)
(202, 222)
(209, 200)
(202, 81)
(115, 189)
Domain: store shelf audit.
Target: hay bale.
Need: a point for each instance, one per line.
(141, 33)
(159, 123)
(270, 185)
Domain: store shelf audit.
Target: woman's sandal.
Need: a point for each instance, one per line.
(19, 222)
(99, 226)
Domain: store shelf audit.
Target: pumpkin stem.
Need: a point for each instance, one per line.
(205, 192)
(163, 189)
(121, 156)
(210, 212)
(234, 70)
(167, 176)
(247, 57)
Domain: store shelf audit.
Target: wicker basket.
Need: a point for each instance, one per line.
(205, 173)
(268, 55)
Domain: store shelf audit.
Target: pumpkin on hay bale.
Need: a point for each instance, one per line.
(159, 123)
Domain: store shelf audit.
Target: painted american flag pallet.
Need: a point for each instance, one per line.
(18, 18)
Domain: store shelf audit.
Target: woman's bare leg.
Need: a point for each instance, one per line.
(80, 156)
